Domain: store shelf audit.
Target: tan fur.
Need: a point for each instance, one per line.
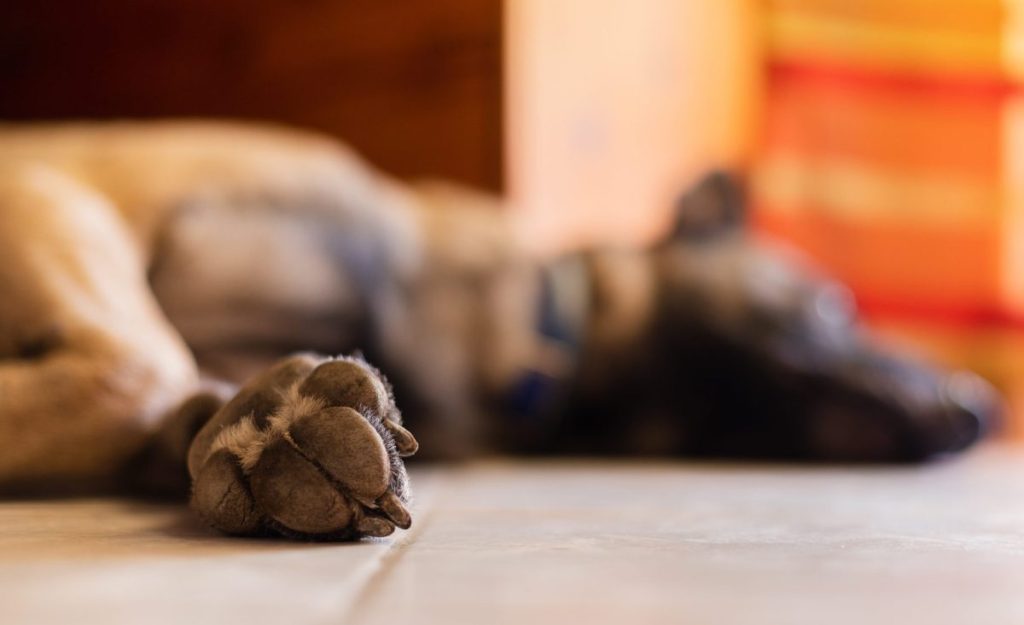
(134, 257)
(90, 357)
(243, 440)
(246, 442)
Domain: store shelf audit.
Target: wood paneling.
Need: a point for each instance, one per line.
(413, 84)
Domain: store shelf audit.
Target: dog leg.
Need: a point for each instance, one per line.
(88, 364)
(92, 377)
(159, 469)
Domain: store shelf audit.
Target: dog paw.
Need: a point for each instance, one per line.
(309, 449)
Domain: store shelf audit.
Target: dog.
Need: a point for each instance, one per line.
(148, 269)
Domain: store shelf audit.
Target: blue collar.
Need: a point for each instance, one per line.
(536, 399)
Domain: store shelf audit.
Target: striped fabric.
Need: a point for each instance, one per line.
(893, 149)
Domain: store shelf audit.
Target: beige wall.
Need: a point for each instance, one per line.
(612, 105)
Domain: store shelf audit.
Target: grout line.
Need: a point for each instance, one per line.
(378, 572)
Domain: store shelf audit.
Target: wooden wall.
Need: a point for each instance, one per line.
(413, 84)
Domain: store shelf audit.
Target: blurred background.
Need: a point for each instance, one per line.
(883, 137)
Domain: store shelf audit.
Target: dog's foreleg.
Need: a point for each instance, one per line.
(88, 364)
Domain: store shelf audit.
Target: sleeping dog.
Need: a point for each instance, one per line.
(146, 269)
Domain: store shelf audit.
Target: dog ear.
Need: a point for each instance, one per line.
(713, 206)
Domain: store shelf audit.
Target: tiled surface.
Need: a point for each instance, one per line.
(512, 542)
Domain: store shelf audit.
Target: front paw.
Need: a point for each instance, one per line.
(311, 448)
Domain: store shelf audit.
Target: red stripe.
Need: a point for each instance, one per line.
(948, 84)
(963, 316)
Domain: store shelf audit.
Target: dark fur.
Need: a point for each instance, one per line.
(137, 256)
(721, 369)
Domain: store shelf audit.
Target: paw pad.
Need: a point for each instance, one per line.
(311, 448)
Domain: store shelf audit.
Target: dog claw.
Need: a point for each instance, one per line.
(374, 526)
(392, 506)
(404, 440)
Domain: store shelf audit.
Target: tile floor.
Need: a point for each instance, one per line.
(561, 542)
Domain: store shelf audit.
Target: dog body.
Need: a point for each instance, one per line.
(140, 261)
(137, 257)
